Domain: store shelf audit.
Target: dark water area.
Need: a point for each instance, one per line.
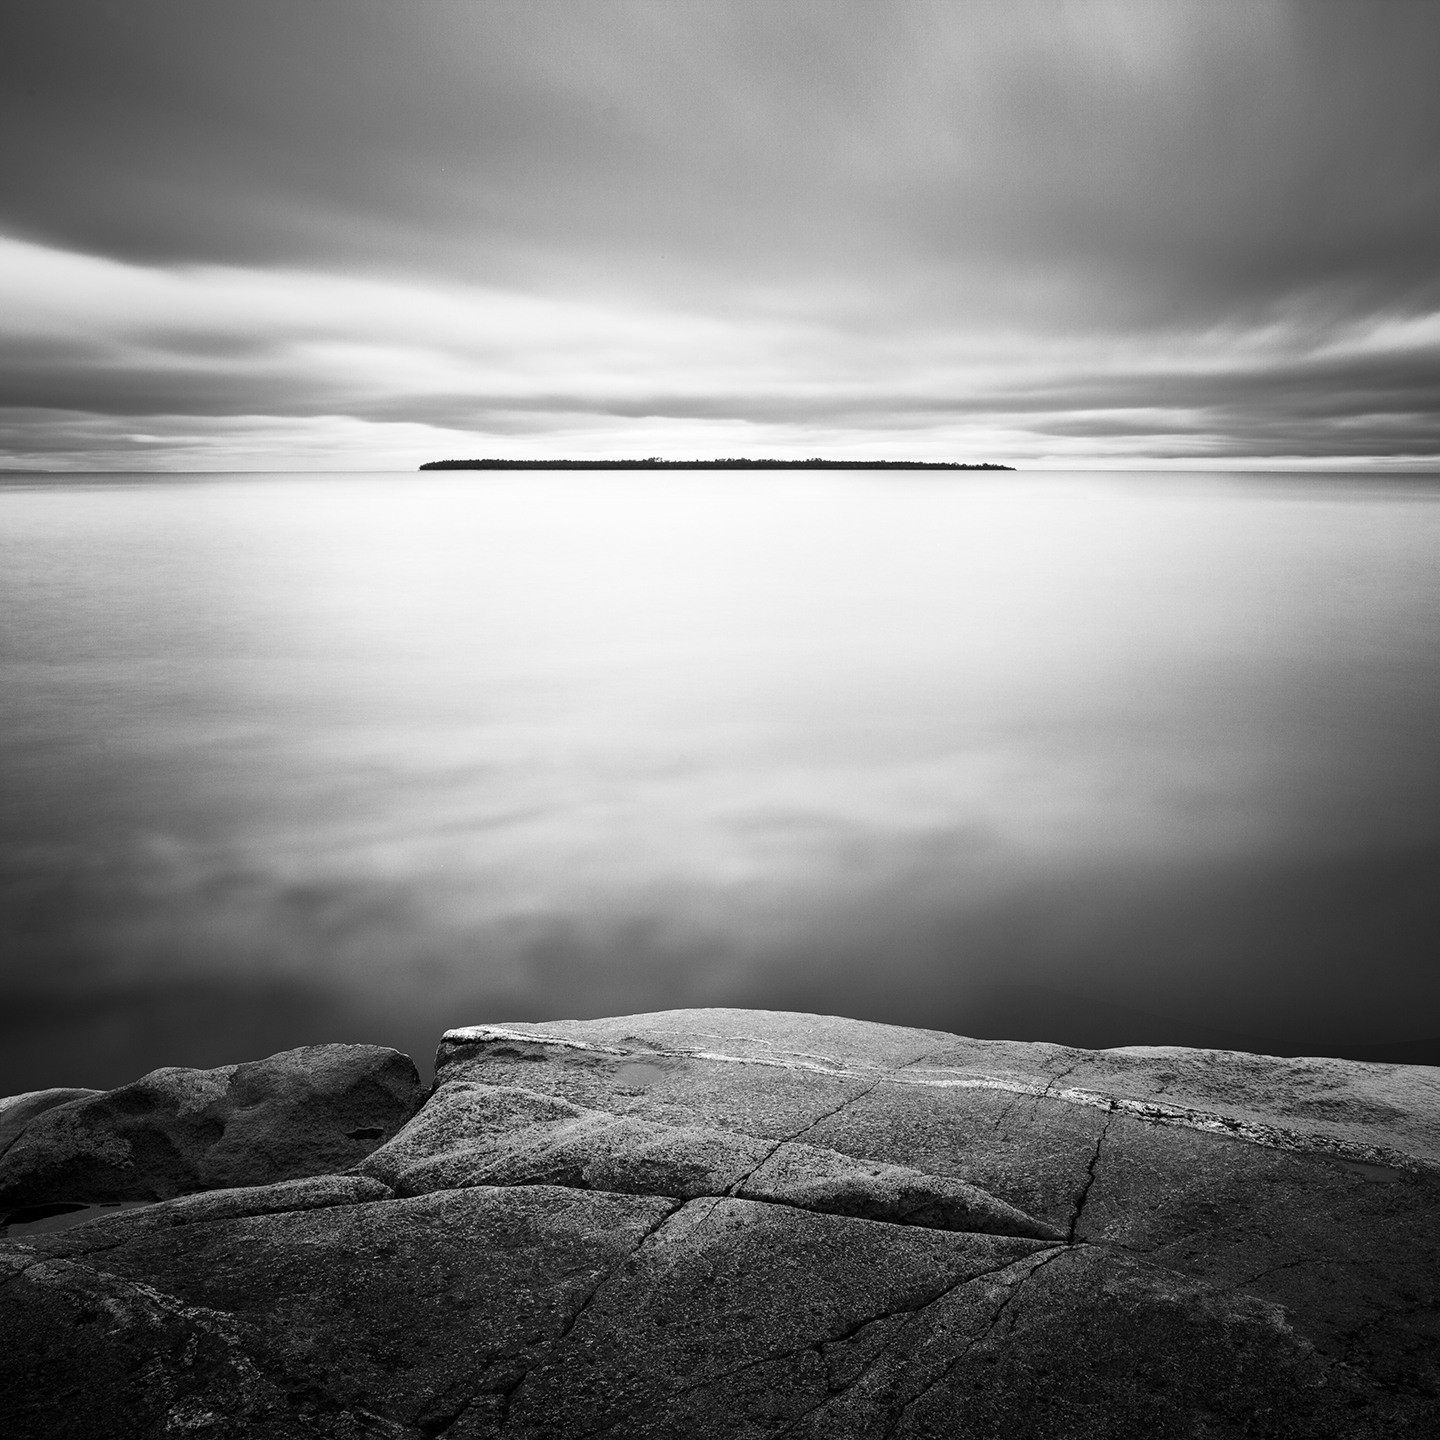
(1101, 759)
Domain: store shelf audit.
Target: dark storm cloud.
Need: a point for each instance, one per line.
(1128, 204)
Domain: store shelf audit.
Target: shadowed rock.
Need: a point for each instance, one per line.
(17, 1111)
(303, 1112)
(719, 1225)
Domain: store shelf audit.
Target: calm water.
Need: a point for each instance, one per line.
(1096, 758)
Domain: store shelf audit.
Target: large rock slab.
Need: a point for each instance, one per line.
(309, 1111)
(677, 1226)
(545, 1311)
(472, 1134)
(780, 1062)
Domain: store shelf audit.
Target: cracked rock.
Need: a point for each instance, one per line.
(710, 1225)
(473, 1134)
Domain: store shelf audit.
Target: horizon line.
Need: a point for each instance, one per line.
(655, 462)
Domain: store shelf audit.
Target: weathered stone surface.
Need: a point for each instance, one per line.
(777, 1065)
(473, 1134)
(1255, 1268)
(545, 1311)
(310, 1111)
(385, 1318)
(813, 1178)
(17, 1111)
(105, 1226)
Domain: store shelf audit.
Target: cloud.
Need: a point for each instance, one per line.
(105, 360)
(1029, 230)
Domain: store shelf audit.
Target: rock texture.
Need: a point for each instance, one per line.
(747, 1224)
(476, 1134)
(17, 1111)
(302, 1112)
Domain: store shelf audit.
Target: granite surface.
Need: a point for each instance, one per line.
(722, 1223)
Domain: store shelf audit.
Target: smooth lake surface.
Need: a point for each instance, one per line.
(1096, 758)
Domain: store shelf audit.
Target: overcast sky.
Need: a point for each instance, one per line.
(341, 233)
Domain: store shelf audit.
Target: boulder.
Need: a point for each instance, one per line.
(312, 1111)
(741, 1224)
(17, 1111)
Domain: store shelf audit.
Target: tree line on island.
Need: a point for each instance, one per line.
(654, 462)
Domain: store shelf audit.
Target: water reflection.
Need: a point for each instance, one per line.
(1102, 759)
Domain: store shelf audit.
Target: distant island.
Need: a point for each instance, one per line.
(655, 463)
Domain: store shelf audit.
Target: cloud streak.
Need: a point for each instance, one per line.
(1039, 232)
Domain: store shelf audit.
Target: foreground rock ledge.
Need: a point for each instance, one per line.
(729, 1223)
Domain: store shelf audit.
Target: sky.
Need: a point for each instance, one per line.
(345, 234)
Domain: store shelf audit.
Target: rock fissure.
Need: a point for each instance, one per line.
(1255, 1132)
(1281, 1268)
(506, 1394)
(478, 1134)
(1035, 1098)
(1005, 1113)
(949, 1369)
(902, 1219)
(887, 1348)
(590, 1295)
(816, 1347)
(1050, 1084)
(845, 1104)
(599, 1285)
(520, 1305)
(442, 1424)
(1083, 1195)
(803, 1130)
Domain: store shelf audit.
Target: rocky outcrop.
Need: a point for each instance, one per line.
(17, 1111)
(727, 1224)
(303, 1112)
(474, 1134)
